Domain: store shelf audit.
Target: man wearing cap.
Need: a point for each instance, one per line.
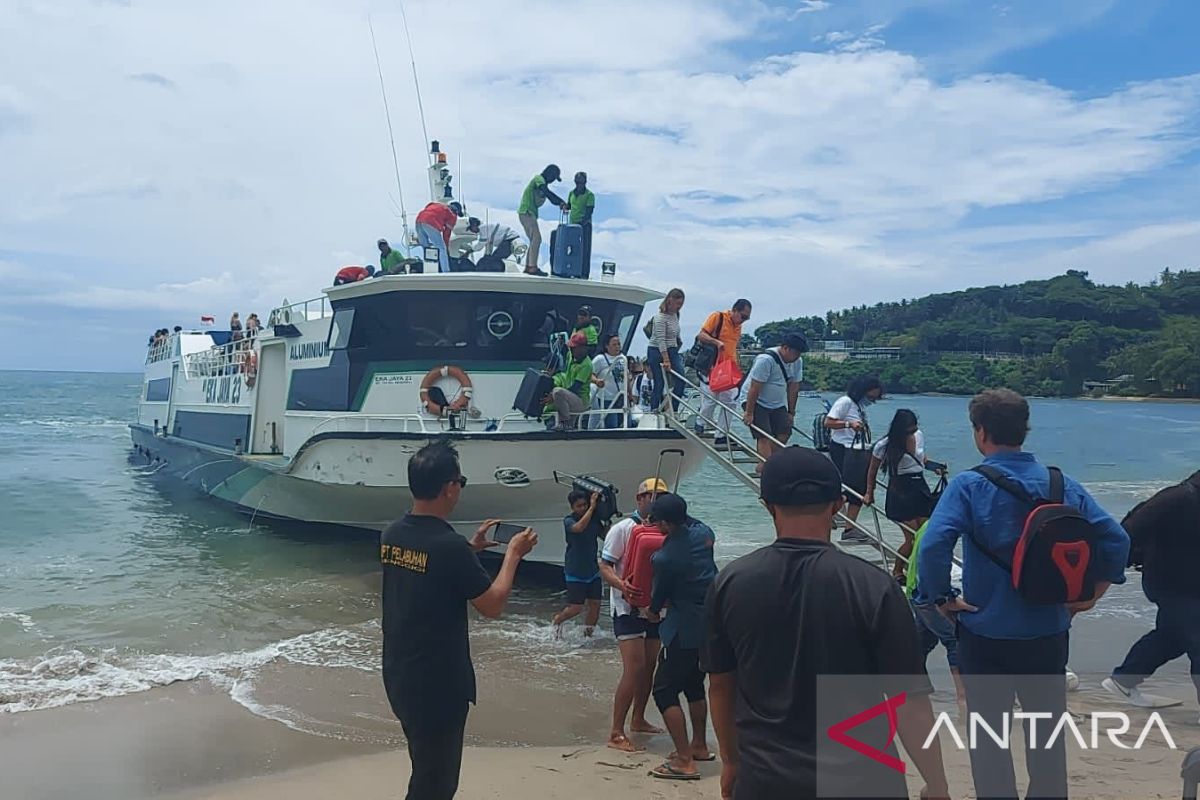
(390, 262)
(536, 194)
(586, 324)
(572, 385)
(771, 393)
(637, 637)
(683, 569)
(434, 224)
(789, 613)
(582, 204)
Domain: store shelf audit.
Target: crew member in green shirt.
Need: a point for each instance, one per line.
(572, 391)
(582, 204)
(534, 195)
(585, 324)
(390, 262)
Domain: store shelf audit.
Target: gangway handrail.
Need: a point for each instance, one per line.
(668, 412)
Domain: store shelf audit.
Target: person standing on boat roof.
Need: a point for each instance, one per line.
(434, 224)
(430, 573)
(353, 274)
(1165, 546)
(535, 194)
(582, 204)
(572, 385)
(390, 262)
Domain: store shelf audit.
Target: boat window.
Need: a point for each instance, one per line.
(453, 326)
(625, 329)
(340, 327)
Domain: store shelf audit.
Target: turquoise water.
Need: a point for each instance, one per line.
(114, 580)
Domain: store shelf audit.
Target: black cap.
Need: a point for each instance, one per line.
(796, 341)
(584, 310)
(670, 508)
(798, 476)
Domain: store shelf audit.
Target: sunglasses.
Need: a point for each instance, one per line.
(461, 480)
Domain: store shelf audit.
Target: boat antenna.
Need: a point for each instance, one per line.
(416, 83)
(391, 136)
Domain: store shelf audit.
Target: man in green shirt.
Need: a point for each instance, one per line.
(582, 204)
(572, 386)
(585, 324)
(390, 262)
(532, 198)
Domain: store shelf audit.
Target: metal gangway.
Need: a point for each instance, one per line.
(738, 452)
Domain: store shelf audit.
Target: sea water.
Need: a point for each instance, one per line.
(116, 580)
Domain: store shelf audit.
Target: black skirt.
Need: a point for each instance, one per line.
(908, 497)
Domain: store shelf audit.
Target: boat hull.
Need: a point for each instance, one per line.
(360, 480)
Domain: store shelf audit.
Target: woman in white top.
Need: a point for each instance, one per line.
(901, 454)
(663, 353)
(847, 421)
(608, 376)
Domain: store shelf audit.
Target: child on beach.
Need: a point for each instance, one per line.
(581, 569)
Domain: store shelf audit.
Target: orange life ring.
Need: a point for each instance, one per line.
(250, 367)
(466, 389)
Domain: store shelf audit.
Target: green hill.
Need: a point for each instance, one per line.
(1040, 337)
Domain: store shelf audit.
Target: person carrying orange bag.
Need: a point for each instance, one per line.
(723, 330)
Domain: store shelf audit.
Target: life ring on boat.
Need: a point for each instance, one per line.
(250, 367)
(465, 389)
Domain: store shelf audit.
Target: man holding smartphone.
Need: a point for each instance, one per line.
(430, 572)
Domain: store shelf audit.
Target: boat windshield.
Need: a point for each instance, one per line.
(456, 326)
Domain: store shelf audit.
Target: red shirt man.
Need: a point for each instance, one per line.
(352, 274)
(440, 217)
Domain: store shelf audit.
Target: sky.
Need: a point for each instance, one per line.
(163, 159)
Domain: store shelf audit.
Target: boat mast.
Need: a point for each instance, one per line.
(391, 136)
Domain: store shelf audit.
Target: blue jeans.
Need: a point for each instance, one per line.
(1176, 632)
(429, 236)
(654, 359)
(934, 627)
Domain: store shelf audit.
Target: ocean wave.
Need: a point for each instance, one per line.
(66, 675)
(60, 423)
(24, 621)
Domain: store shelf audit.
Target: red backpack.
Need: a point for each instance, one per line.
(644, 541)
(1054, 559)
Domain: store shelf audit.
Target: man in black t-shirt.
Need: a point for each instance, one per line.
(796, 610)
(581, 570)
(430, 572)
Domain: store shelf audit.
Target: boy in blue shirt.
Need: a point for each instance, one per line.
(581, 566)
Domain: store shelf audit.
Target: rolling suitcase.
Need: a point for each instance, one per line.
(534, 387)
(566, 251)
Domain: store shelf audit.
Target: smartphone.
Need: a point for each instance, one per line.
(503, 532)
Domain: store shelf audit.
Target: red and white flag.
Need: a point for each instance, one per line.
(208, 319)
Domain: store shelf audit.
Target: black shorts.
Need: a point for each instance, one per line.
(632, 626)
(772, 420)
(578, 592)
(856, 481)
(678, 672)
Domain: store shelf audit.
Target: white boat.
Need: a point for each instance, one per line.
(314, 418)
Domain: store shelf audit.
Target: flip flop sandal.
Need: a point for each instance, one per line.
(666, 772)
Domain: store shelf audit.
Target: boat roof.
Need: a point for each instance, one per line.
(513, 283)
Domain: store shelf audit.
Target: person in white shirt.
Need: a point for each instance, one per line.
(771, 391)
(637, 637)
(909, 502)
(847, 419)
(608, 377)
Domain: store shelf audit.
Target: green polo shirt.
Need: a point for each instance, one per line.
(577, 372)
(590, 332)
(581, 205)
(533, 196)
(391, 262)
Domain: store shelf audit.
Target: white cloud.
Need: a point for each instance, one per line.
(266, 166)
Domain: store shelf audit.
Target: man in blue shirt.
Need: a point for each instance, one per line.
(580, 569)
(683, 570)
(1007, 646)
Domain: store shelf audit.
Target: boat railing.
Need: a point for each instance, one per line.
(427, 424)
(730, 455)
(218, 360)
(164, 349)
(317, 308)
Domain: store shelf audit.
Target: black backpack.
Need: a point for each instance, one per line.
(1054, 561)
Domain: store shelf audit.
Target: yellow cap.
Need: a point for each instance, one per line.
(652, 486)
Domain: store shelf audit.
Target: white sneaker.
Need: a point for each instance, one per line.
(1131, 696)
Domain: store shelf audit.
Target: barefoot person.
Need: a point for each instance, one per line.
(583, 532)
(430, 573)
(637, 638)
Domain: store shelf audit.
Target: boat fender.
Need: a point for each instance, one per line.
(461, 401)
